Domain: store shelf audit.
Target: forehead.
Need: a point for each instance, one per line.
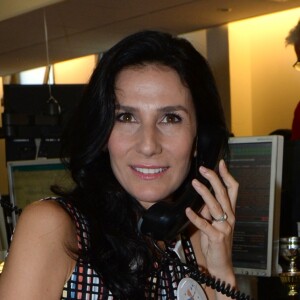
(154, 67)
(151, 83)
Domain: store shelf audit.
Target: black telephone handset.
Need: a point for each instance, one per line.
(165, 220)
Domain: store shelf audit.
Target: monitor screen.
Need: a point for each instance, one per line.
(30, 180)
(256, 163)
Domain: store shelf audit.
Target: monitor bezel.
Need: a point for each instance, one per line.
(11, 181)
(277, 145)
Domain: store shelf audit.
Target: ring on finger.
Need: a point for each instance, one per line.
(223, 218)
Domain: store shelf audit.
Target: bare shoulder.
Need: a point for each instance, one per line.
(45, 217)
(38, 255)
(43, 208)
(43, 223)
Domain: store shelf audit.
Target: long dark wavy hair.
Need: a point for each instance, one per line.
(118, 252)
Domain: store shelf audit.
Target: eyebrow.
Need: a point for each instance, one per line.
(164, 109)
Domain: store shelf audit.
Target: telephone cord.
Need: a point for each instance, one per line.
(203, 278)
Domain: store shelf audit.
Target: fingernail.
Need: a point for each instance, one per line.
(223, 164)
(196, 183)
(188, 210)
(203, 169)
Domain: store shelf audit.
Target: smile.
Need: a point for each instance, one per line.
(150, 171)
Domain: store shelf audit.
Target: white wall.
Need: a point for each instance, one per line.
(218, 58)
(198, 39)
(213, 45)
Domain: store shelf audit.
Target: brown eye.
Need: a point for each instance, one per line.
(125, 118)
(171, 119)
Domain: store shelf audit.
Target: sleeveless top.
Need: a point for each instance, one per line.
(85, 284)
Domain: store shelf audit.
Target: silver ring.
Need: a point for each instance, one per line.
(223, 218)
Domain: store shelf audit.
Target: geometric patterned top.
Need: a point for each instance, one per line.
(86, 284)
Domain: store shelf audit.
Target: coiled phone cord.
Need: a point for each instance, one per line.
(216, 284)
(201, 277)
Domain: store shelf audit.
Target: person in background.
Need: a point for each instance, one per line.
(294, 39)
(290, 192)
(150, 116)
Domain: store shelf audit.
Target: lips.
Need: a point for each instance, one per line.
(149, 172)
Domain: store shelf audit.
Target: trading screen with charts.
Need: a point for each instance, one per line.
(255, 165)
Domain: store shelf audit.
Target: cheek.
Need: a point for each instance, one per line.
(120, 138)
(183, 152)
(185, 159)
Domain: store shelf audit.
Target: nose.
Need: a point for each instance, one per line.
(149, 141)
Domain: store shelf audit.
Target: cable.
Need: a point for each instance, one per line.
(203, 278)
(54, 107)
(214, 283)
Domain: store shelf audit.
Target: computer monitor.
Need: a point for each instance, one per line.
(32, 127)
(256, 163)
(30, 180)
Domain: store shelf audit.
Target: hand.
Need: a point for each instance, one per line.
(215, 235)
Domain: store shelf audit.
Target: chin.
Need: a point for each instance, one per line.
(148, 200)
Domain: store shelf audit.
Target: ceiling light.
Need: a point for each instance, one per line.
(225, 9)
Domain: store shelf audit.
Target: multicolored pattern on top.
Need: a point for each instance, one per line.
(86, 284)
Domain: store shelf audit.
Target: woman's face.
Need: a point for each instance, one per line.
(152, 141)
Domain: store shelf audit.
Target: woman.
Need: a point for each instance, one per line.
(136, 139)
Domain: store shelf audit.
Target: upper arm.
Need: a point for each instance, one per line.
(38, 263)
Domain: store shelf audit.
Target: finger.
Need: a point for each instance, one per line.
(196, 220)
(204, 213)
(213, 208)
(231, 184)
(220, 188)
(211, 230)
